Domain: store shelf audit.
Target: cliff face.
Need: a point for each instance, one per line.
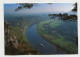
(11, 42)
(9, 37)
(14, 41)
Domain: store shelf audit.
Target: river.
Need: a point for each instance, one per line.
(35, 39)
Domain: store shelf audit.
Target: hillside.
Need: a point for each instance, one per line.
(16, 41)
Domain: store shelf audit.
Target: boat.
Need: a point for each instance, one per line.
(42, 45)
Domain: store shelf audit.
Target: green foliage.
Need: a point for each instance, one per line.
(41, 23)
(59, 40)
(67, 45)
(24, 35)
(55, 24)
(19, 33)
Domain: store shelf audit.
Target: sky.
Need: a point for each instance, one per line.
(42, 8)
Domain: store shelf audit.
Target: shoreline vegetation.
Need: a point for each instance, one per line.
(24, 34)
(58, 40)
(17, 20)
(16, 42)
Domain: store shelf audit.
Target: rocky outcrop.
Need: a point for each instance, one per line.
(10, 39)
(14, 41)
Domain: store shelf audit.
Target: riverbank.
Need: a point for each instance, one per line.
(16, 42)
(36, 40)
(30, 48)
(58, 40)
(24, 34)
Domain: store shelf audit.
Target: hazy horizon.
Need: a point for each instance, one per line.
(42, 8)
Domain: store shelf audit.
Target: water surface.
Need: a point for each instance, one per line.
(35, 39)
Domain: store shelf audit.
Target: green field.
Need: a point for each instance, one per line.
(43, 22)
(24, 34)
(55, 24)
(59, 40)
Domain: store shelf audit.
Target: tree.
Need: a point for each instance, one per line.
(65, 16)
(75, 8)
(26, 5)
